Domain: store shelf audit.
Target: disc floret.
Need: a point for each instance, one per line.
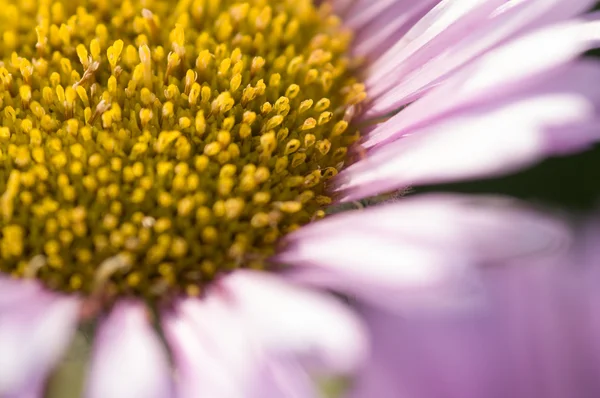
(146, 150)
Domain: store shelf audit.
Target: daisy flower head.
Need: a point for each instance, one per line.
(159, 157)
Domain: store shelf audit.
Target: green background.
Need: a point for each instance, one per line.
(572, 182)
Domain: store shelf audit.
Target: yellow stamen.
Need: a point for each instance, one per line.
(148, 146)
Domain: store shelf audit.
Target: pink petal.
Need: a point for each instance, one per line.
(396, 81)
(363, 12)
(495, 74)
(214, 353)
(408, 361)
(534, 334)
(279, 378)
(255, 336)
(488, 140)
(290, 319)
(340, 7)
(35, 329)
(15, 290)
(129, 360)
(388, 28)
(418, 251)
(445, 23)
(31, 391)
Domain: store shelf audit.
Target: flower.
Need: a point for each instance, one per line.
(530, 331)
(158, 159)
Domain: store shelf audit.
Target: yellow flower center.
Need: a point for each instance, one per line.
(147, 146)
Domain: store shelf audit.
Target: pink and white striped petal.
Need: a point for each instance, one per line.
(534, 334)
(447, 22)
(289, 320)
(379, 25)
(494, 75)
(213, 353)
(129, 360)
(283, 378)
(35, 329)
(227, 344)
(463, 34)
(16, 290)
(417, 251)
(490, 139)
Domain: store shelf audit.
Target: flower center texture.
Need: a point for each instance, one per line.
(149, 146)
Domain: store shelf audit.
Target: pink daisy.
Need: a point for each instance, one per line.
(531, 330)
(159, 158)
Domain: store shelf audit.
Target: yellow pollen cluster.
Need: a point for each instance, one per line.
(147, 146)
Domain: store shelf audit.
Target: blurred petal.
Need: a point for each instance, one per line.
(213, 353)
(534, 334)
(255, 336)
(35, 329)
(36, 390)
(283, 379)
(290, 319)
(129, 360)
(15, 290)
(419, 250)
(408, 361)
(487, 140)
(340, 7)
